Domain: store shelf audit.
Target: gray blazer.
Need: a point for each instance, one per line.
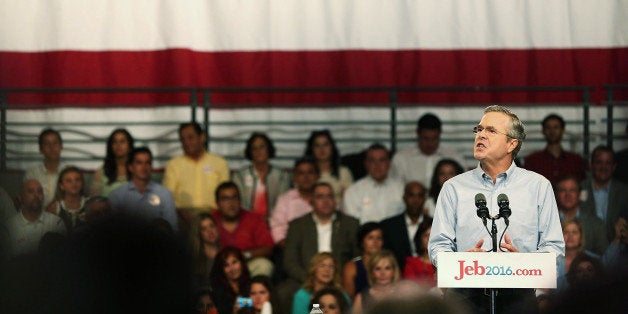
(302, 243)
(277, 182)
(617, 204)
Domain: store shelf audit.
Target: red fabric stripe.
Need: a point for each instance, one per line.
(426, 68)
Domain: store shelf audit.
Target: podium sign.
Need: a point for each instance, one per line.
(496, 270)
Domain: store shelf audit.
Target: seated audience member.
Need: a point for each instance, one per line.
(261, 182)
(605, 194)
(243, 229)
(419, 268)
(445, 169)
(324, 230)
(7, 207)
(378, 195)
(589, 290)
(205, 302)
(194, 176)
(260, 291)
(141, 196)
(370, 240)
(26, 228)
(296, 202)
(323, 272)
(69, 200)
(384, 275)
(96, 208)
(585, 272)
(205, 242)
(230, 278)
(50, 146)
(616, 256)
(574, 245)
(113, 172)
(331, 301)
(568, 201)
(553, 161)
(322, 148)
(399, 230)
(417, 163)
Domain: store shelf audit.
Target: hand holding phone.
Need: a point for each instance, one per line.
(244, 302)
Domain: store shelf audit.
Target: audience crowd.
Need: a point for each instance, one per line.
(262, 239)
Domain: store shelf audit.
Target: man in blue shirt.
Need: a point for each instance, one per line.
(141, 196)
(534, 222)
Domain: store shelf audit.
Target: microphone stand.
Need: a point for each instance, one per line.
(494, 239)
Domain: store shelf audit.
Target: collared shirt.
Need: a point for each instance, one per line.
(369, 200)
(47, 180)
(251, 232)
(534, 222)
(24, 235)
(323, 232)
(155, 202)
(290, 205)
(552, 168)
(193, 182)
(412, 165)
(412, 229)
(601, 200)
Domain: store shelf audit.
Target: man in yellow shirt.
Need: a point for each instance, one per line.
(193, 177)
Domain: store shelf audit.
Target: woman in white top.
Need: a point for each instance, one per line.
(113, 173)
(322, 148)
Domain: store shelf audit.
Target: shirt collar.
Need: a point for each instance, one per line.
(318, 222)
(149, 188)
(409, 221)
(25, 221)
(502, 177)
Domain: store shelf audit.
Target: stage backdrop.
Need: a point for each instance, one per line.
(284, 43)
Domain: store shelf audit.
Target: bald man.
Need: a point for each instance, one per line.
(26, 228)
(399, 230)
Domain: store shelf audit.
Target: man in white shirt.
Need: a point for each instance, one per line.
(376, 196)
(417, 163)
(50, 146)
(27, 227)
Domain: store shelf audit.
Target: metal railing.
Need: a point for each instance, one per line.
(203, 98)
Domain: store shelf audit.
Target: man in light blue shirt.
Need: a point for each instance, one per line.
(141, 196)
(534, 222)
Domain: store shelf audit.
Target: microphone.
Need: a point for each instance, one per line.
(504, 207)
(482, 210)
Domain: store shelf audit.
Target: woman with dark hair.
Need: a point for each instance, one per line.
(419, 268)
(322, 148)
(354, 276)
(260, 291)
(114, 170)
(445, 169)
(260, 183)
(205, 242)
(229, 279)
(331, 301)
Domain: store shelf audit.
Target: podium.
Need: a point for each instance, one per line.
(496, 270)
